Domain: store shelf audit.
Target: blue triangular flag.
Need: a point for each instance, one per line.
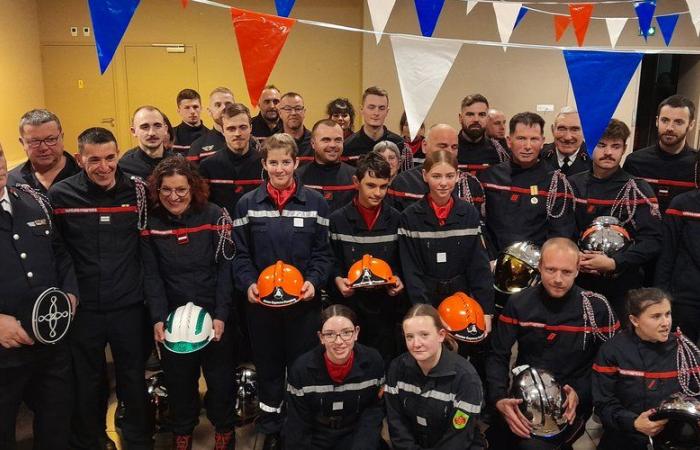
(598, 80)
(521, 14)
(667, 25)
(645, 12)
(428, 13)
(284, 7)
(110, 18)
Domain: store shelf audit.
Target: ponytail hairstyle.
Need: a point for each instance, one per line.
(424, 309)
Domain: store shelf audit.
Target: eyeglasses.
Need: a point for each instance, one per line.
(289, 109)
(180, 192)
(49, 141)
(330, 336)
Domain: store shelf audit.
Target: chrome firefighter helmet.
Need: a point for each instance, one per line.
(516, 267)
(605, 234)
(246, 405)
(542, 400)
(683, 428)
(157, 395)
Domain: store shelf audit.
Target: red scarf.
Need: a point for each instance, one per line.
(415, 145)
(281, 196)
(338, 372)
(441, 212)
(370, 215)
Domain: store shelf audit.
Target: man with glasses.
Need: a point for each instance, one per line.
(267, 122)
(568, 151)
(149, 129)
(41, 136)
(292, 113)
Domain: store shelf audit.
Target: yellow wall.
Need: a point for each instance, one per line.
(21, 85)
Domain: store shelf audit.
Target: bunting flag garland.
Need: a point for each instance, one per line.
(379, 12)
(667, 25)
(260, 40)
(506, 15)
(419, 86)
(521, 14)
(645, 12)
(694, 10)
(110, 19)
(184, 3)
(428, 13)
(284, 7)
(470, 5)
(561, 23)
(615, 27)
(599, 80)
(580, 17)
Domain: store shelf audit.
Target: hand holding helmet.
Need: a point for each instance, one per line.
(542, 400)
(280, 285)
(570, 404)
(517, 422)
(649, 427)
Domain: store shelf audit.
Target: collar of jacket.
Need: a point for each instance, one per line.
(444, 368)
(261, 194)
(353, 215)
(361, 363)
(121, 180)
(424, 209)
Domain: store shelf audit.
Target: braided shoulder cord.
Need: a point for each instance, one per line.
(40, 198)
(626, 203)
(503, 154)
(141, 202)
(589, 317)
(687, 357)
(406, 158)
(224, 225)
(568, 194)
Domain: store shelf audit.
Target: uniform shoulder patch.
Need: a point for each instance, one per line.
(460, 419)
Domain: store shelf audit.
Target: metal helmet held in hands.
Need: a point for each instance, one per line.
(542, 400)
(605, 234)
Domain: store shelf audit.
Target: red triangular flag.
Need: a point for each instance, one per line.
(184, 3)
(260, 40)
(581, 17)
(561, 23)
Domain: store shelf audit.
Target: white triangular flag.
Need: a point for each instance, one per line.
(379, 12)
(470, 5)
(420, 83)
(615, 26)
(694, 10)
(506, 15)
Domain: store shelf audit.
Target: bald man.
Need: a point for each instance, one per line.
(555, 331)
(409, 186)
(496, 126)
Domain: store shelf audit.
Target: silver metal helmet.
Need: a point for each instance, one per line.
(683, 428)
(605, 234)
(247, 406)
(542, 400)
(157, 395)
(516, 267)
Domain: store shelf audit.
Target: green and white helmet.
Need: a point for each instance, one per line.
(189, 328)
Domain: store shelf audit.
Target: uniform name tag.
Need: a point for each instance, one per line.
(298, 222)
(441, 257)
(421, 421)
(337, 406)
(105, 219)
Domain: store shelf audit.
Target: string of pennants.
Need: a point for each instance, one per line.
(598, 77)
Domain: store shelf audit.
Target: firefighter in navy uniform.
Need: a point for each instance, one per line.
(280, 221)
(678, 266)
(409, 187)
(334, 391)
(212, 140)
(292, 113)
(150, 130)
(607, 190)
(327, 174)
(433, 396)
(47, 161)
(368, 226)
(525, 200)
(638, 369)
(39, 375)
(187, 248)
(98, 213)
(189, 108)
(558, 327)
(669, 164)
(568, 152)
(477, 152)
(267, 122)
(237, 169)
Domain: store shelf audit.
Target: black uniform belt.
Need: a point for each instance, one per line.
(446, 286)
(337, 422)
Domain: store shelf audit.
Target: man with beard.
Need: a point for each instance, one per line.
(292, 113)
(496, 126)
(41, 136)
(327, 174)
(476, 151)
(213, 140)
(669, 164)
(607, 190)
(568, 151)
(267, 122)
(375, 108)
(149, 129)
(189, 107)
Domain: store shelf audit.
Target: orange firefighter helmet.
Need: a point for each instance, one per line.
(463, 317)
(370, 272)
(280, 285)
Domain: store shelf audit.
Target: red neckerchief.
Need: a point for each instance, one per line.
(415, 145)
(281, 196)
(441, 212)
(338, 372)
(370, 215)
